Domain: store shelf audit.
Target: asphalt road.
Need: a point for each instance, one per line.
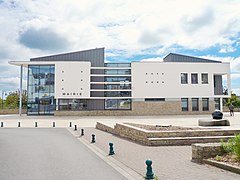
(49, 154)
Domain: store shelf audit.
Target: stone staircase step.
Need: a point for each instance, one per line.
(176, 141)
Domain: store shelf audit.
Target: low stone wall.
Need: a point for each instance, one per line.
(204, 151)
(105, 128)
(163, 138)
(133, 133)
(11, 111)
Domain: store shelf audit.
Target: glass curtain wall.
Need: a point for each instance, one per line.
(118, 104)
(41, 90)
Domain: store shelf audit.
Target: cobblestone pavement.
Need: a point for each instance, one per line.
(170, 162)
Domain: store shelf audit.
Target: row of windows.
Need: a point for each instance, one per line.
(154, 73)
(194, 78)
(63, 71)
(156, 82)
(117, 64)
(72, 94)
(117, 71)
(195, 104)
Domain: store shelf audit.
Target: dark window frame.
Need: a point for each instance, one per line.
(207, 108)
(154, 99)
(192, 78)
(197, 107)
(185, 108)
(203, 78)
(184, 81)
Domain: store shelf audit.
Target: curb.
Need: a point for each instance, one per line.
(222, 165)
(117, 165)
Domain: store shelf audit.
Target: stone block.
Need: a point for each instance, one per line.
(213, 122)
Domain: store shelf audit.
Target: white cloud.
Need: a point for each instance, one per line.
(126, 27)
(236, 91)
(157, 59)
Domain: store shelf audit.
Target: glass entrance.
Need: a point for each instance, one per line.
(41, 90)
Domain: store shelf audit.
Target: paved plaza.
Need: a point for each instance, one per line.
(54, 153)
(37, 154)
(90, 121)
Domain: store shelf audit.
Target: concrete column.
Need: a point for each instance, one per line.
(20, 95)
(221, 104)
(56, 104)
(229, 84)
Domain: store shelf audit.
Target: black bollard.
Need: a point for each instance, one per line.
(19, 124)
(82, 132)
(93, 138)
(53, 124)
(111, 151)
(70, 124)
(1, 124)
(149, 174)
(36, 124)
(75, 127)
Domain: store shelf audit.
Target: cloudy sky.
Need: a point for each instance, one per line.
(128, 29)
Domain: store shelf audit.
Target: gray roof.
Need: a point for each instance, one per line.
(95, 56)
(183, 58)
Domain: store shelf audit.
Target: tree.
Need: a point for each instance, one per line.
(13, 99)
(235, 100)
(1, 102)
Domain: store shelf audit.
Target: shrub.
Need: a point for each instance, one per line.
(218, 158)
(232, 146)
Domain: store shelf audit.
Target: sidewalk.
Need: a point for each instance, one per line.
(172, 162)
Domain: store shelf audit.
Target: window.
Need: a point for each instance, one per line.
(184, 78)
(118, 104)
(184, 104)
(72, 104)
(217, 103)
(195, 106)
(117, 93)
(204, 78)
(117, 79)
(205, 104)
(194, 78)
(117, 64)
(154, 99)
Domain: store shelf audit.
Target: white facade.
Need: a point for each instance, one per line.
(180, 84)
(163, 79)
(72, 80)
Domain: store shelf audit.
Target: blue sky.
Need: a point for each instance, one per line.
(129, 31)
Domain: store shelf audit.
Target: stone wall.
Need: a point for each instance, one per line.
(105, 127)
(11, 111)
(163, 138)
(143, 108)
(204, 151)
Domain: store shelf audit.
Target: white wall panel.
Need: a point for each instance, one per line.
(163, 79)
(72, 79)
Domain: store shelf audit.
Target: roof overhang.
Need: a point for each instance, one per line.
(26, 63)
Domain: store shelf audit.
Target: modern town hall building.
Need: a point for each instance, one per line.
(81, 83)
